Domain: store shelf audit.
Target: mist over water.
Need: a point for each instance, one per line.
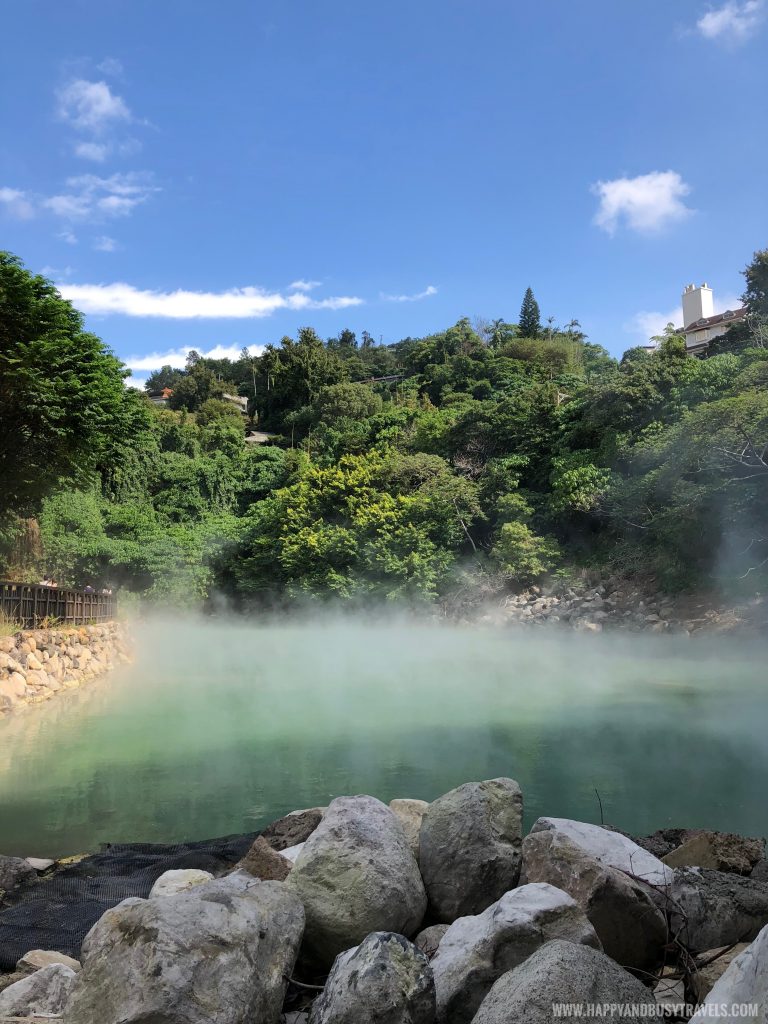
(219, 728)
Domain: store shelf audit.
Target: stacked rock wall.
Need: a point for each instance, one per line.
(36, 664)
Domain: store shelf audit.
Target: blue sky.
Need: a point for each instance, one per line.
(218, 175)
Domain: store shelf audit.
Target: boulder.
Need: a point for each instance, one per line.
(760, 871)
(12, 690)
(44, 992)
(36, 959)
(178, 880)
(631, 928)
(356, 875)
(716, 908)
(476, 951)
(15, 871)
(293, 829)
(221, 951)
(263, 862)
(410, 813)
(469, 851)
(384, 980)
(430, 938)
(611, 848)
(712, 965)
(745, 981)
(558, 973)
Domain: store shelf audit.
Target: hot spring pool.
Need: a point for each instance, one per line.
(220, 728)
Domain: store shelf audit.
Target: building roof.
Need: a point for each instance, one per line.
(728, 317)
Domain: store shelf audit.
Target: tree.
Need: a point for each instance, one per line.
(165, 377)
(530, 318)
(62, 397)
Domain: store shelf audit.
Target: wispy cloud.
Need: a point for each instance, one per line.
(104, 244)
(98, 116)
(177, 357)
(91, 106)
(303, 286)
(647, 203)
(17, 203)
(233, 304)
(733, 22)
(86, 197)
(428, 291)
(111, 67)
(96, 151)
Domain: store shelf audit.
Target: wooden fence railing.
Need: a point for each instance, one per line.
(30, 604)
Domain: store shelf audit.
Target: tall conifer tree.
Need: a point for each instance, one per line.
(530, 318)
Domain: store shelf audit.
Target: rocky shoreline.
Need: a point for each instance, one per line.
(593, 604)
(412, 913)
(39, 663)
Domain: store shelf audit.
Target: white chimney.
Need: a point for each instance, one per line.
(698, 304)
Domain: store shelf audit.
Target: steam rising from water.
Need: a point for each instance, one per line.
(218, 728)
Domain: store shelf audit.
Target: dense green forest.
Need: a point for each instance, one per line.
(482, 457)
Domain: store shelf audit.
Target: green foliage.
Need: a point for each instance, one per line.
(509, 450)
(63, 406)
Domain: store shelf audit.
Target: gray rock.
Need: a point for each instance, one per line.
(219, 952)
(179, 880)
(631, 928)
(411, 814)
(716, 908)
(384, 980)
(430, 938)
(15, 871)
(745, 981)
(356, 875)
(613, 849)
(43, 992)
(476, 951)
(760, 871)
(562, 972)
(470, 847)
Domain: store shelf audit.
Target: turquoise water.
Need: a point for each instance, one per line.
(218, 729)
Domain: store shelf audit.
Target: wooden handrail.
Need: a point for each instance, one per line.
(31, 604)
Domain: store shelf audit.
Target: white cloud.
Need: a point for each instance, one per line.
(68, 236)
(177, 357)
(236, 303)
(733, 22)
(303, 286)
(91, 106)
(428, 291)
(96, 151)
(104, 244)
(646, 203)
(17, 203)
(649, 323)
(89, 197)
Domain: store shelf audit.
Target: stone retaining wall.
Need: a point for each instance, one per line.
(36, 664)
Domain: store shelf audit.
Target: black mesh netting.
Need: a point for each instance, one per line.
(57, 913)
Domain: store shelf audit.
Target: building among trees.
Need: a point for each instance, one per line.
(701, 325)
